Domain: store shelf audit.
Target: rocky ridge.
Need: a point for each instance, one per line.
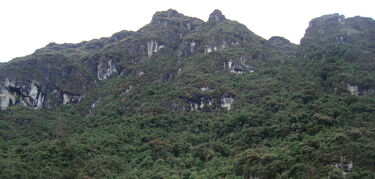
(184, 98)
(62, 73)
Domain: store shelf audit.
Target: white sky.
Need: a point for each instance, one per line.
(26, 25)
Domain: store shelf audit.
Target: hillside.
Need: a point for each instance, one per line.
(184, 98)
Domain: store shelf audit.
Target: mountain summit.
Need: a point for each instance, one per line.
(216, 16)
(185, 98)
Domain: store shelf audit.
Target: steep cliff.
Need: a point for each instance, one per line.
(341, 51)
(185, 98)
(63, 73)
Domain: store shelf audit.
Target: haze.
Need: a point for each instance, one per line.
(28, 25)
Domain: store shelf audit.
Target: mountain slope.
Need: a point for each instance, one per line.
(183, 98)
(342, 52)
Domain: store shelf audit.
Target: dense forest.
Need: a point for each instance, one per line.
(184, 98)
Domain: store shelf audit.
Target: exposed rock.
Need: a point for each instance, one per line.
(66, 99)
(334, 28)
(200, 103)
(173, 19)
(153, 47)
(24, 93)
(284, 45)
(192, 46)
(59, 97)
(216, 16)
(159, 17)
(118, 36)
(220, 34)
(206, 88)
(349, 39)
(71, 98)
(238, 66)
(30, 94)
(60, 72)
(63, 72)
(221, 45)
(279, 40)
(344, 165)
(91, 45)
(353, 89)
(359, 91)
(326, 24)
(209, 49)
(93, 105)
(6, 98)
(323, 29)
(106, 69)
(140, 73)
(227, 102)
(331, 19)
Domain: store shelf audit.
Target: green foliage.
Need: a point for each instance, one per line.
(283, 124)
(291, 118)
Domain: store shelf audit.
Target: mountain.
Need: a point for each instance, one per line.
(345, 60)
(185, 98)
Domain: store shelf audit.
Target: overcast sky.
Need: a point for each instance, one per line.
(26, 25)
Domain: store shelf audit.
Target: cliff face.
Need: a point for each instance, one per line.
(336, 29)
(341, 51)
(184, 98)
(52, 76)
(63, 73)
(42, 80)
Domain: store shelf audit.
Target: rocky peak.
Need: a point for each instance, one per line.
(160, 15)
(326, 29)
(278, 40)
(327, 20)
(171, 19)
(360, 23)
(336, 29)
(216, 16)
(91, 45)
(283, 44)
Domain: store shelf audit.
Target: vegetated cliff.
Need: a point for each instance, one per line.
(341, 51)
(51, 76)
(184, 98)
(62, 74)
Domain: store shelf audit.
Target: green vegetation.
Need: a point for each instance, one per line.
(284, 124)
(293, 117)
